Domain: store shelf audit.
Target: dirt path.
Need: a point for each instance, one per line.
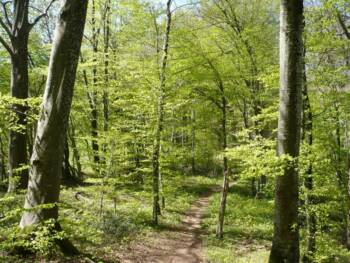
(181, 245)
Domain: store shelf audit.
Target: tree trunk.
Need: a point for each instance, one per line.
(347, 219)
(193, 141)
(3, 174)
(69, 175)
(285, 244)
(340, 176)
(105, 96)
(76, 154)
(106, 37)
(160, 117)
(307, 136)
(92, 94)
(18, 177)
(47, 157)
(225, 187)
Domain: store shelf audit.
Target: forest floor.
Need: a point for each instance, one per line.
(247, 230)
(174, 245)
(193, 241)
(121, 230)
(186, 230)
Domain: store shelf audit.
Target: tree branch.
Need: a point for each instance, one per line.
(208, 97)
(44, 14)
(5, 12)
(343, 25)
(187, 4)
(6, 28)
(6, 46)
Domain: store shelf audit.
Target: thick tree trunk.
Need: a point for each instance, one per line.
(285, 245)
(18, 177)
(47, 157)
(160, 118)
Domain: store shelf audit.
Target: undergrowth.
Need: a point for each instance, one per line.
(101, 216)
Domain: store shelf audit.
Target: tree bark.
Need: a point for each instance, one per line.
(348, 209)
(225, 187)
(3, 174)
(342, 24)
(106, 37)
(76, 154)
(160, 117)
(66, 168)
(340, 176)
(92, 94)
(70, 175)
(285, 245)
(18, 177)
(17, 30)
(46, 160)
(193, 141)
(105, 96)
(307, 136)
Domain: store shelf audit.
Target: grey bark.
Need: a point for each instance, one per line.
(19, 36)
(160, 117)
(342, 24)
(285, 245)
(17, 30)
(46, 160)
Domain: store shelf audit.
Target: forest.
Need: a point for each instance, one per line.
(184, 131)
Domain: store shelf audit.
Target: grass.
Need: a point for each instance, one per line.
(125, 214)
(247, 230)
(100, 232)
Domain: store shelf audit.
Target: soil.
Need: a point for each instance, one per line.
(179, 245)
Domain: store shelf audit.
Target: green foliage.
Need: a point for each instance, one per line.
(248, 228)
(39, 239)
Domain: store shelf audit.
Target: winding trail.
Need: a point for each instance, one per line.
(179, 245)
